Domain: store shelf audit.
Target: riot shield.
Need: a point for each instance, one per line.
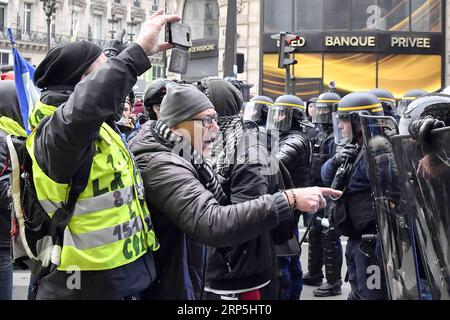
(425, 172)
(394, 224)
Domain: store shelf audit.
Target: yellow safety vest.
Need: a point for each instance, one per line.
(12, 127)
(108, 228)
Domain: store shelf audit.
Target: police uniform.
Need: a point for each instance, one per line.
(354, 214)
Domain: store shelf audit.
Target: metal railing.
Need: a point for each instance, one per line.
(41, 37)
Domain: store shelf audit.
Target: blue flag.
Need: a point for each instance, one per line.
(27, 93)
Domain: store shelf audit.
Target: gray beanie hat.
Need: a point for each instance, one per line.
(181, 102)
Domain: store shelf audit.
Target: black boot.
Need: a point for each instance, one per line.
(314, 275)
(333, 256)
(329, 289)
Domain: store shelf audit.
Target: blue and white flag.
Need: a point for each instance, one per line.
(27, 93)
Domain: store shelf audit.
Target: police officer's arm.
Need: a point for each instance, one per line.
(173, 188)
(294, 151)
(63, 141)
(328, 172)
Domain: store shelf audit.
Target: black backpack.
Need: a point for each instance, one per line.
(41, 235)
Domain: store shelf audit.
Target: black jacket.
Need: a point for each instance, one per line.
(9, 107)
(186, 214)
(250, 263)
(294, 152)
(5, 214)
(62, 142)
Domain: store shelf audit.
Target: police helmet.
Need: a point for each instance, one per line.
(284, 109)
(387, 100)
(346, 119)
(436, 105)
(256, 109)
(154, 96)
(324, 107)
(408, 98)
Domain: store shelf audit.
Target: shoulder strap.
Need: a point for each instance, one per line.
(80, 180)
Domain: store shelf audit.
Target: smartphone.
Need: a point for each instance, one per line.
(179, 61)
(179, 35)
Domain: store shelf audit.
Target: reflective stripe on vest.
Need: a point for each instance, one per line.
(12, 127)
(111, 226)
(85, 206)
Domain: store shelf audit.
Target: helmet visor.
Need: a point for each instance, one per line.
(403, 125)
(321, 113)
(279, 118)
(342, 127)
(252, 112)
(402, 105)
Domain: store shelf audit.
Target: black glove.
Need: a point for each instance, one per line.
(348, 153)
(420, 130)
(115, 46)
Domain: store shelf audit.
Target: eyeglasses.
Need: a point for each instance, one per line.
(207, 121)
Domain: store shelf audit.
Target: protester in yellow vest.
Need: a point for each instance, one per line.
(108, 243)
(10, 123)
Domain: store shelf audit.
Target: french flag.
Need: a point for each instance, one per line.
(27, 93)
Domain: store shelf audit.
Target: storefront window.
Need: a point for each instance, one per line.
(394, 15)
(426, 15)
(308, 73)
(336, 15)
(351, 71)
(308, 15)
(401, 73)
(203, 17)
(278, 15)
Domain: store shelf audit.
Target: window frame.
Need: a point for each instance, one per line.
(295, 19)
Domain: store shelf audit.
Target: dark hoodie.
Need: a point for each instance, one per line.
(249, 173)
(9, 107)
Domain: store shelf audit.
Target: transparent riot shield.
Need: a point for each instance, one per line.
(394, 223)
(425, 173)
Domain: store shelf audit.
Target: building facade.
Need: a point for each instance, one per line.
(397, 45)
(73, 20)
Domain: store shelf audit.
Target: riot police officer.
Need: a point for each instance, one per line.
(388, 102)
(324, 243)
(353, 213)
(434, 105)
(409, 97)
(287, 116)
(256, 110)
(424, 160)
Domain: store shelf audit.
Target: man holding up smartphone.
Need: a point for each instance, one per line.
(101, 257)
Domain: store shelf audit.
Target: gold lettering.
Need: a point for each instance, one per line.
(394, 41)
(407, 42)
(202, 48)
(350, 41)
